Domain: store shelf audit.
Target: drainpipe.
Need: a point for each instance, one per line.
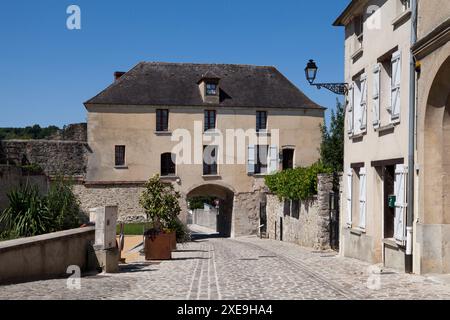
(411, 143)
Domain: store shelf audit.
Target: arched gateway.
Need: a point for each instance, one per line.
(225, 196)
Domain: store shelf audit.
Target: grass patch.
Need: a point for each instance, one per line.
(132, 229)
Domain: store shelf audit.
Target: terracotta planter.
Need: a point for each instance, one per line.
(173, 240)
(158, 247)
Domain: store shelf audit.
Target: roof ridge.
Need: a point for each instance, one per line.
(207, 64)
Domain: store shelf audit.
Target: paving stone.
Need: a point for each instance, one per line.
(243, 268)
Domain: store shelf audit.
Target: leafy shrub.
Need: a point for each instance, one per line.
(160, 203)
(296, 184)
(63, 206)
(181, 230)
(27, 214)
(31, 214)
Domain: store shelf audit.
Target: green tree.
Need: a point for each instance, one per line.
(332, 146)
(160, 203)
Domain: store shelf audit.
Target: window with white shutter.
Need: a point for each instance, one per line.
(349, 197)
(395, 86)
(251, 159)
(363, 103)
(357, 114)
(400, 203)
(273, 159)
(350, 105)
(362, 198)
(376, 96)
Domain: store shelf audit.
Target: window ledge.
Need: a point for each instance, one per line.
(211, 132)
(391, 242)
(357, 53)
(169, 177)
(163, 133)
(357, 231)
(401, 18)
(357, 136)
(259, 175)
(121, 167)
(388, 126)
(264, 132)
(211, 176)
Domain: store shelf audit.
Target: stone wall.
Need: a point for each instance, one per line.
(311, 227)
(45, 256)
(72, 132)
(126, 197)
(12, 177)
(53, 156)
(246, 214)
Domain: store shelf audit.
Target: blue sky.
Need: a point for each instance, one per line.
(48, 71)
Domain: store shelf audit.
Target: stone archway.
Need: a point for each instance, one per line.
(226, 197)
(437, 150)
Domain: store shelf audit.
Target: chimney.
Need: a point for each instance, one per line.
(118, 74)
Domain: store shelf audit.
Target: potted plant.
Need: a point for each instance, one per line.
(160, 203)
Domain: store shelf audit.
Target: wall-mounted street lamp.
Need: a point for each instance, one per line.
(311, 73)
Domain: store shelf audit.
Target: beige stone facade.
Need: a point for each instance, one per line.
(432, 51)
(377, 66)
(296, 126)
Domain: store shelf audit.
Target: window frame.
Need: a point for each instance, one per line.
(167, 169)
(208, 116)
(209, 91)
(210, 169)
(261, 118)
(162, 120)
(258, 164)
(119, 154)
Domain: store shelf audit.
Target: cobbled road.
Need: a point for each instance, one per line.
(241, 269)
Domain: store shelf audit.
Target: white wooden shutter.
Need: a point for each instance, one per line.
(357, 108)
(400, 203)
(395, 85)
(350, 111)
(363, 103)
(376, 96)
(349, 197)
(362, 198)
(273, 159)
(251, 159)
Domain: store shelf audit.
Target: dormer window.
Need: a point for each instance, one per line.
(211, 89)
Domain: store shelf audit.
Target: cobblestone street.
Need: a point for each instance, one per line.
(242, 268)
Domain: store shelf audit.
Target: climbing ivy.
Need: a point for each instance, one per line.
(296, 184)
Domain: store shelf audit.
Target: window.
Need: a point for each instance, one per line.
(261, 158)
(119, 156)
(288, 159)
(395, 85)
(406, 5)
(210, 160)
(210, 119)
(162, 120)
(356, 197)
(287, 208)
(357, 113)
(211, 89)
(261, 120)
(359, 31)
(167, 164)
(295, 209)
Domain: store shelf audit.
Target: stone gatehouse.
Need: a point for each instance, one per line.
(134, 124)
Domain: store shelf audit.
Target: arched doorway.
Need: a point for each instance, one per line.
(223, 197)
(437, 150)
